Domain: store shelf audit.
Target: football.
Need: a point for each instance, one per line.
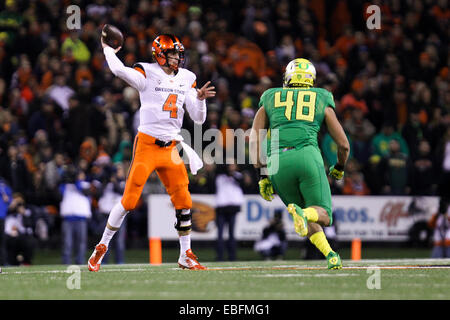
(112, 36)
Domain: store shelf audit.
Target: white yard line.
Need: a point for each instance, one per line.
(317, 275)
(241, 266)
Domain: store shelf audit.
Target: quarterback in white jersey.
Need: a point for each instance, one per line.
(162, 96)
(164, 87)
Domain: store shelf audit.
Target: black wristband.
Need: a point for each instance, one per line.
(339, 167)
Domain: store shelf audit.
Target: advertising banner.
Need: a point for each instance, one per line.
(255, 214)
(373, 218)
(380, 218)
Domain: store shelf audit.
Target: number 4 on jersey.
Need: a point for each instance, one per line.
(171, 105)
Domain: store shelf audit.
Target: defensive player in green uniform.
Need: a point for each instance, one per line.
(295, 169)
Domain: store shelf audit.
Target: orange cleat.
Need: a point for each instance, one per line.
(96, 258)
(188, 260)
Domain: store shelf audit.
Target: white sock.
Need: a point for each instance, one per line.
(115, 219)
(117, 215)
(185, 243)
(107, 236)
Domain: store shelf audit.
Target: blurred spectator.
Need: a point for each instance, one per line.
(273, 243)
(42, 200)
(25, 151)
(46, 118)
(5, 201)
(285, 52)
(361, 130)
(204, 181)
(373, 176)
(381, 141)
(440, 223)
(39, 193)
(413, 132)
(111, 193)
(231, 121)
(60, 92)
(245, 54)
(88, 150)
(73, 49)
(248, 182)
(97, 9)
(257, 26)
(443, 163)
(229, 199)
(394, 168)
(76, 125)
(15, 171)
(423, 178)
(19, 232)
(353, 100)
(125, 150)
(75, 210)
(374, 97)
(354, 183)
(358, 54)
(54, 170)
(346, 40)
(10, 20)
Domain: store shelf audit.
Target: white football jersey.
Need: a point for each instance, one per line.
(162, 100)
(162, 96)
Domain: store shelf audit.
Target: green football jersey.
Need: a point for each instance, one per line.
(295, 116)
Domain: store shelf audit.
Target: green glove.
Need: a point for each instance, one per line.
(266, 189)
(337, 171)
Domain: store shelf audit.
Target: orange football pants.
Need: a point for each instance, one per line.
(147, 157)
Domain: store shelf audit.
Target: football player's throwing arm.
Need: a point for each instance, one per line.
(131, 76)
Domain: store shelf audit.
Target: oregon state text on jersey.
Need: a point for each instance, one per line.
(162, 96)
(161, 113)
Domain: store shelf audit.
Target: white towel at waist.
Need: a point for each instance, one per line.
(195, 163)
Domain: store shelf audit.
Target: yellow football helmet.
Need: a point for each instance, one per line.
(299, 73)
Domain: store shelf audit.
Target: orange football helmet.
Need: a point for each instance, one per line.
(164, 44)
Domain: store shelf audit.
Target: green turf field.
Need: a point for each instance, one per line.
(244, 280)
(207, 254)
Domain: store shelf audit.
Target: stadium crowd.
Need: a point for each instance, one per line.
(67, 124)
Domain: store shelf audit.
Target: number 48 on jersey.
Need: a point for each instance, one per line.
(306, 101)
